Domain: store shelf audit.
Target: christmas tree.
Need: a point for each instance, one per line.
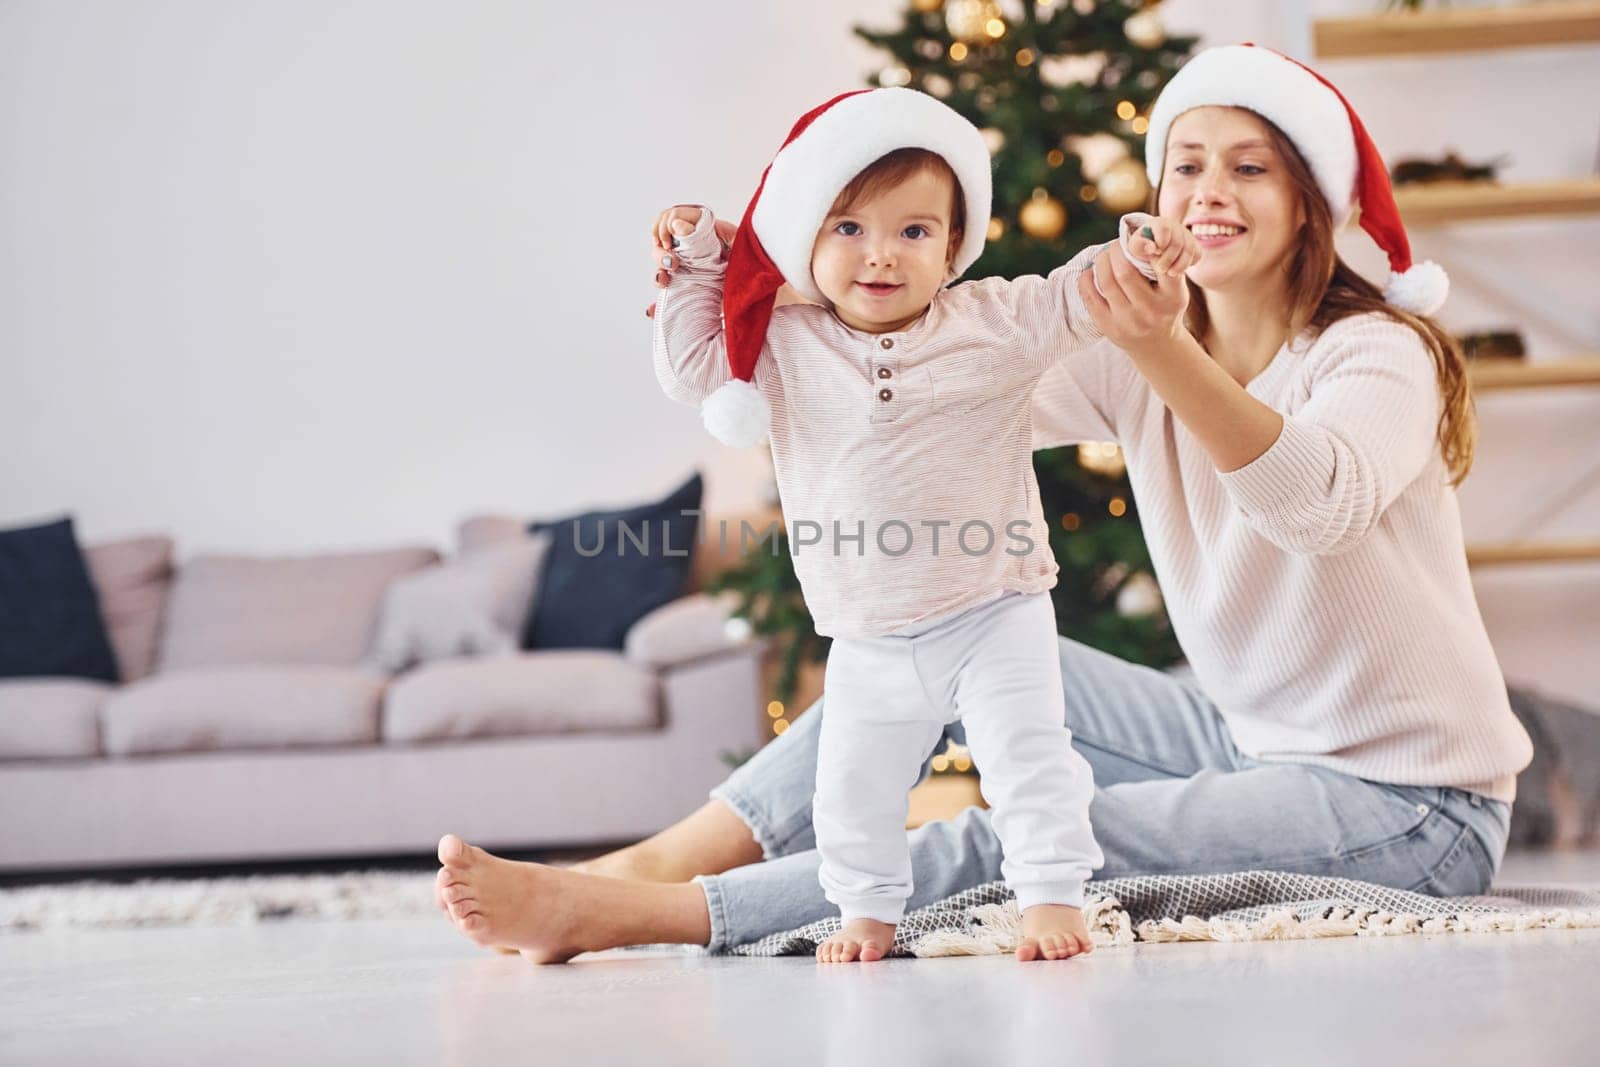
(1061, 92)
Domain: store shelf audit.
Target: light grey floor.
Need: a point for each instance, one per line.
(412, 991)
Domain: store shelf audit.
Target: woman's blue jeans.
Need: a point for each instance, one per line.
(1173, 796)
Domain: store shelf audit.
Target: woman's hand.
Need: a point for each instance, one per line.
(1135, 313)
(679, 221)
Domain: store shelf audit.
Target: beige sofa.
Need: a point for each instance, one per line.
(248, 727)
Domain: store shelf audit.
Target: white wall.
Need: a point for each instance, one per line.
(307, 275)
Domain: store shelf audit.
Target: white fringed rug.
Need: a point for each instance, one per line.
(1247, 906)
(1250, 906)
(237, 901)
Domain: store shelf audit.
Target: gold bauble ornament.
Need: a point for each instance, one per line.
(1145, 29)
(969, 20)
(927, 6)
(1043, 216)
(1123, 187)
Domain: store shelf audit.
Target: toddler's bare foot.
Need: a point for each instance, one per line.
(1055, 931)
(866, 939)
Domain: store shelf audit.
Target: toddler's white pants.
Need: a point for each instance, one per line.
(997, 668)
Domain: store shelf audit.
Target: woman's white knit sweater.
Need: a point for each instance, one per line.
(1320, 592)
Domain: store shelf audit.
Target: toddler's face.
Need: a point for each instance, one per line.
(900, 239)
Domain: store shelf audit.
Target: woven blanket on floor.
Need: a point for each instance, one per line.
(1249, 906)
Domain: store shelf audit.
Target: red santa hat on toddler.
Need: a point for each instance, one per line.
(1325, 129)
(824, 152)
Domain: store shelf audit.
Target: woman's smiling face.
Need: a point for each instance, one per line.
(1225, 181)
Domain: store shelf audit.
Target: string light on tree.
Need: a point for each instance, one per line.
(994, 140)
(894, 77)
(775, 712)
(1043, 216)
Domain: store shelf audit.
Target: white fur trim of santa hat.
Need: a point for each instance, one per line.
(1288, 96)
(808, 174)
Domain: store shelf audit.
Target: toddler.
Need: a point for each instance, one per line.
(900, 425)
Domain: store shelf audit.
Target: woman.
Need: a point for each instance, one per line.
(1293, 438)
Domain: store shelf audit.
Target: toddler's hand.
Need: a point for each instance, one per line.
(1169, 248)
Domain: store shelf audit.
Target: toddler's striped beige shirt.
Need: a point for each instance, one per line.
(903, 459)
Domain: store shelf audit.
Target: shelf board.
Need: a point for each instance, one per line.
(1460, 30)
(1488, 555)
(1487, 374)
(1441, 203)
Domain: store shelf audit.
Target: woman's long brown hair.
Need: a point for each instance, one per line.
(1324, 289)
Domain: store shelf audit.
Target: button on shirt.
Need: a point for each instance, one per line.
(903, 460)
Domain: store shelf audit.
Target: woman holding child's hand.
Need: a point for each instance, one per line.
(1130, 309)
(677, 221)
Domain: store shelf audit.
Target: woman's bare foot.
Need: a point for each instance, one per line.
(550, 915)
(1054, 930)
(867, 939)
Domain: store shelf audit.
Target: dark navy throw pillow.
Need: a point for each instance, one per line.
(50, 621)
(608, 569)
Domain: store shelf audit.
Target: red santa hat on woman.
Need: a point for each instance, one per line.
(1325, 129)
(825, 150)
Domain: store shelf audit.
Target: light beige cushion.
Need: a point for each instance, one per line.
(686, 629)
(280, 609)
(131, 578)
(243, 707)
(481, 530)
(555, 691)
(471, 605)
(44, 718)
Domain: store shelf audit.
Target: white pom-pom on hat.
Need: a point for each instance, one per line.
(737, 414)
(1421, 290)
